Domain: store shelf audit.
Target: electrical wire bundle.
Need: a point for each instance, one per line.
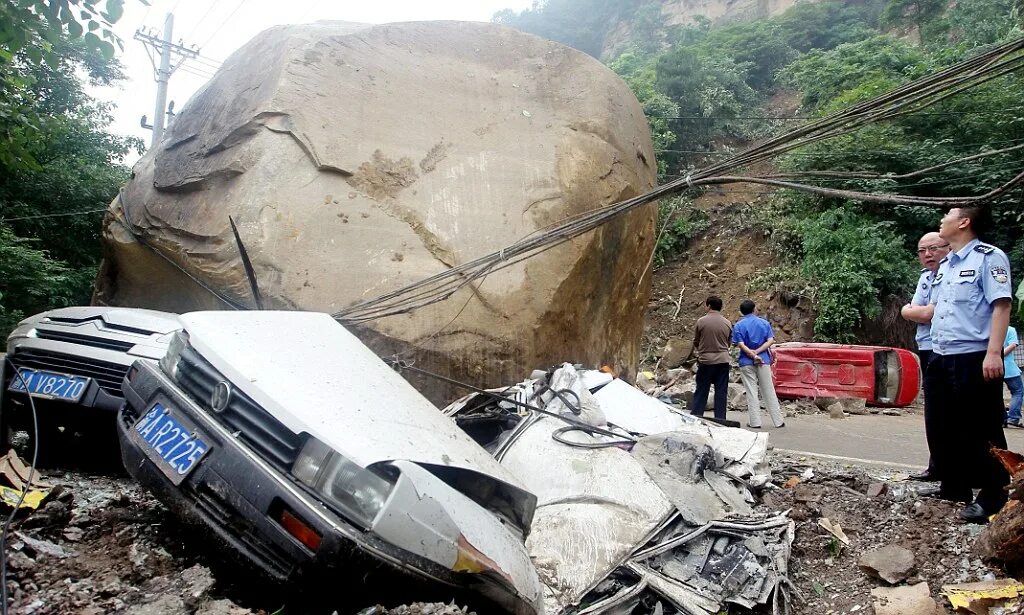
(908, 99)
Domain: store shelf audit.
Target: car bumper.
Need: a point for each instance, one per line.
(240, 498)
(104, 368)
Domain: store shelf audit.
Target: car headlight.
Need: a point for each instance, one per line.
(169, 362)
(358, 493)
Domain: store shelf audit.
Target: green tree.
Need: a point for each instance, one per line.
(37, 32)
(639, 74)
(822, 76)
(853, 262)
(73, 166)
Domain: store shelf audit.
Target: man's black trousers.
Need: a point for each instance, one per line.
(925, 357)
(963, 420)
(714, 374)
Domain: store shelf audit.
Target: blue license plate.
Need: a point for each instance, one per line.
(49, 385)
(175, 448)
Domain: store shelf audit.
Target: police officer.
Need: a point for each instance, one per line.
(931, 249)
(970, 298)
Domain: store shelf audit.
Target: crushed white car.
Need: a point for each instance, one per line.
(641, 508)
(302, 450)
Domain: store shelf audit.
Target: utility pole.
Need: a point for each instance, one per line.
(171, 57)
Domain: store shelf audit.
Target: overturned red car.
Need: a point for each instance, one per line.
(880, 375)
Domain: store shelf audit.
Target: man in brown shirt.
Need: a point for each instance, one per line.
(711, 343)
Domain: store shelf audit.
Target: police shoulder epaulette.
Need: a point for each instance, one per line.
(984, 248)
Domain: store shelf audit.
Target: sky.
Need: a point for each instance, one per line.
(219, 27)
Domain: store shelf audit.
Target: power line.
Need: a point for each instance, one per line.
(57, 215)
(1006, 111)
(196, 73)
(207, 61)
(226, 20)
(203, 18)
(825, 155)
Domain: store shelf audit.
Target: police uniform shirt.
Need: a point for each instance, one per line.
(922, 296)
(966, 285)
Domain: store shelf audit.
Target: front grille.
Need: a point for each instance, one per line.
(107, 375)
(84, 340)
(231, 520)
(267, 436)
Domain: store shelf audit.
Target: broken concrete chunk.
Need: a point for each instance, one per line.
(891, 563)
(854, 405)
(198, 581)
(876, 489)
(737, 397)
(677, 349)
(163, 605)
(835, 411)
(905, 600)
(41, 547)
(221, 607)
(645, 382)
(679, 374)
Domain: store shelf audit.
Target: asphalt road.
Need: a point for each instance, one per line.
(874, 438)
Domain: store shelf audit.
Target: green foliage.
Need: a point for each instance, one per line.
(30, 280)
(67, 163)
(882, 61)
(784, 281)
(37, 27)
(709, 78)
(638, 73)
(853, 261)
(972, 23)
(918, 13)
(679, 222)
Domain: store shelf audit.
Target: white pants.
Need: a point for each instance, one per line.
(756, 377)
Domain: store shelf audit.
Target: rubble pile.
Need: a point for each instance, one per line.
(117, 550)
(904, 552)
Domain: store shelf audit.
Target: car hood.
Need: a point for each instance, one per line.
(142, 321)
(314, 376)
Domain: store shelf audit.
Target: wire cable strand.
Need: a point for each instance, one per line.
(24, 490)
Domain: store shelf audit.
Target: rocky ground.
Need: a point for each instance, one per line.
(103, 545)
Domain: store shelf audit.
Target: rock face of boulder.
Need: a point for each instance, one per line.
(357, 159)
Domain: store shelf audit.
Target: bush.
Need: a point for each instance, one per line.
(853, 262)
(678, 223)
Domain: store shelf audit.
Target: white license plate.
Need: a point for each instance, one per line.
(175, 448)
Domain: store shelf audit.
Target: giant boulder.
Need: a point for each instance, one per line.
(357, 159)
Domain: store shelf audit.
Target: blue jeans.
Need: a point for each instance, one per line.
(1016, 387)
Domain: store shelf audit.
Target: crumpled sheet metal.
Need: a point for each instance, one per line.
(671, 518)
(594, 506)
(627, 407)
(743, 561)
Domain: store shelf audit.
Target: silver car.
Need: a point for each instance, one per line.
(72, 362)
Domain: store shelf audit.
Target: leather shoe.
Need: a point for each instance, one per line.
(926, 477)
(974, 513)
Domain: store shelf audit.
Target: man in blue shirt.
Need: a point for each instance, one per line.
(931, 249)
(1012, 378)
(970, 304)
(754, 337)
